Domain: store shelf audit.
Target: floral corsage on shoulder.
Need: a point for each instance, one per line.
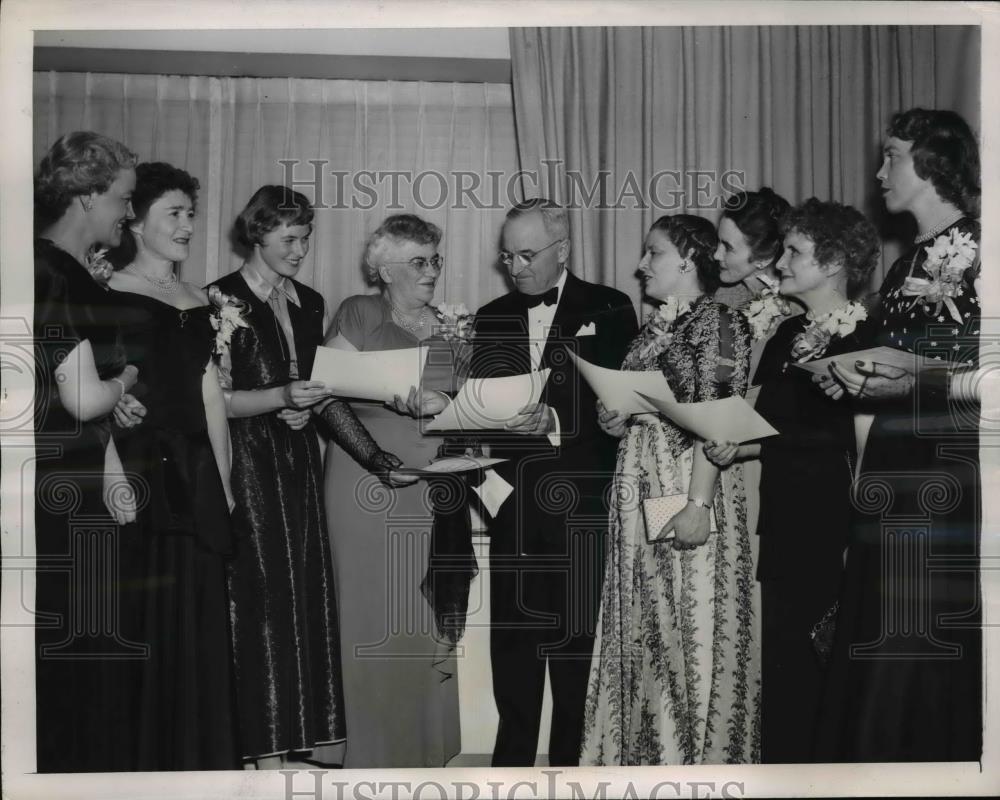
(815, 339)
(948, 258)
(454, 322)
(766, 310)
(98, 266)
(227, 315)
(661, 323)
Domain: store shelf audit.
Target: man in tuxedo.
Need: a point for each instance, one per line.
(547, 540)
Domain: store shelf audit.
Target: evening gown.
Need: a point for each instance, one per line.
(675, 677)
(805, 516)
(186, 702)
(283, 611)
(905, 681)
(88, 651)
(400, 679)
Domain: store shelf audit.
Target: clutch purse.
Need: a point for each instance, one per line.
(657, 512)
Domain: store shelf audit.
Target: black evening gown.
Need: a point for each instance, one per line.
(905, 680)
(805, 516)
(88, 663)
(283, 610)
(186, 704)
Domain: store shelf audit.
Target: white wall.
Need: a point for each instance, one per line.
(430, 42)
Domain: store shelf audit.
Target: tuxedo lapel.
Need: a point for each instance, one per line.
(566, 321)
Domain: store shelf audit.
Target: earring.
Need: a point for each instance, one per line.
(686, 266)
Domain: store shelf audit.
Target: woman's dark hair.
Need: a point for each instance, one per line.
(944, 151)
(152, 180)
(758, 215)
(840, 235)
(77, 164)
(270, 207)
(397, 228)
(695, 238)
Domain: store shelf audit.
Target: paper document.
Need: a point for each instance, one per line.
(889, 356)
(731, 419)
(452, 464)
(374, 375)
(623, 390)
(487, 403)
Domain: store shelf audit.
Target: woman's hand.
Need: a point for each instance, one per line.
(722, 454)
(384, 466)
(295, 418)
(871, 380)
(419, 403)
(304, 394)
(691, 526)
(611, 422)
(829, 385)
(128, 412)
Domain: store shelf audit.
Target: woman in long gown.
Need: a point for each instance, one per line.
(400, 681)
(675, 674)
(906, 675)
(807, 470)
(86, 673)
(180, 456)
(282, 594)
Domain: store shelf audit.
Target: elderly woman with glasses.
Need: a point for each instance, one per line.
(399, 687)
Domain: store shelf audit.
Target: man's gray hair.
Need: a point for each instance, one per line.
(554, 216)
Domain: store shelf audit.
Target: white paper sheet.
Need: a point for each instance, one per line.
(731, 419)
(622, 390)
(889, 356)
(374, 375)
(452, 464)
(487, 403)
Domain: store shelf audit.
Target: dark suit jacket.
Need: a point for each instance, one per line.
(585, 457)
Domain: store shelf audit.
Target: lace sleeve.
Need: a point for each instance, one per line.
(350, 433)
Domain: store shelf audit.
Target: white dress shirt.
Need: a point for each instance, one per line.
(539, 326)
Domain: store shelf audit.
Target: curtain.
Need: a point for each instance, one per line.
(800, 109)
(360, 150)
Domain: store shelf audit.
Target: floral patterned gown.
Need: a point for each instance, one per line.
(675, 677)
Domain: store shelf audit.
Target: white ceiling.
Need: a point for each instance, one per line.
(437, 42)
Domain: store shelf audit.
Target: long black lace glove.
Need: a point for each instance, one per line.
(349, 432)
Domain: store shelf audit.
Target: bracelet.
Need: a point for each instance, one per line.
(699, 503)
(121, 383)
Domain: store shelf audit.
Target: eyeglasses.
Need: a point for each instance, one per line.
(524, 256)
(419, 263)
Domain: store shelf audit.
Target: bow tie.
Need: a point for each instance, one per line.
(549, 298)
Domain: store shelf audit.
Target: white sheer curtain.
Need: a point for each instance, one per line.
(388, 142)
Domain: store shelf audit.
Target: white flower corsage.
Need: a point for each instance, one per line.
(454, 321)
(98, 266)
(764, 312)
(814, 340)
(660, 324)
(948, 257)
(226, 317)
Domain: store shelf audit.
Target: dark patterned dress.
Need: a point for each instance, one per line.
(186, 708)
(675, 675)
(283, 608)
(905, 682)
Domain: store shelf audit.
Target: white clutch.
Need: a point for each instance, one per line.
(658, 511)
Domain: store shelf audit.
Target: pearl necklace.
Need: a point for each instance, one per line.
(170, 284)
(404, 323)
(933, 232)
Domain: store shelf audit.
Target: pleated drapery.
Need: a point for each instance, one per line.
(801, 109)
(376, 147)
